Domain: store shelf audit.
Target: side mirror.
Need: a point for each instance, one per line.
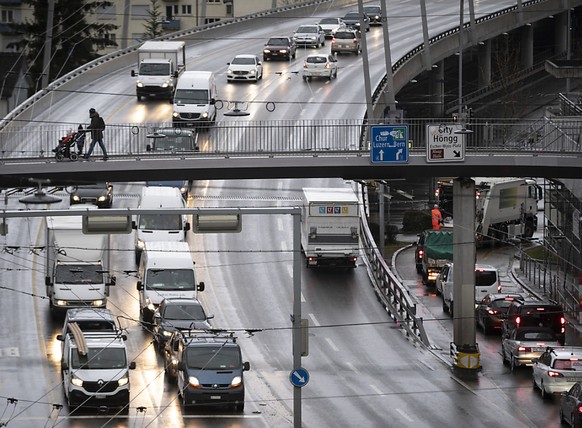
(60, 337)
(134, 225)
(124, 337)
(246, 366)
(64, 366)
(112, 280)
(139, 285)
(200, 286)
(186, 227)
(148, 148)
(132, 365)
(212, 101)
(209, 317)
(176, 74)
(48, 280)
(132, 73)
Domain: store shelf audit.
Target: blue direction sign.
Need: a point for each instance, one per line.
(299, 377)
(389, 144)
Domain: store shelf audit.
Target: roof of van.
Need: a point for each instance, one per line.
(168, 254)
(161, 197)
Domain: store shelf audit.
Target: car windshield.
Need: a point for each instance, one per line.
(182, 143)
(278, 42)
(95, 325)
(535, 335)
(147, 69)
(79, 274)
(316, 59)
(170, 279)
(243, 60)
(160, 222)
(573, 364)
(372, 10)
(213, 358)
(99, 358)
(485, 278)
(191, 96)
(184, 312)
(329, 21)
(344, 35)
(307, 29)
(351, 16)
(501, 304)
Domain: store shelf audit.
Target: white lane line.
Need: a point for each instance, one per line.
(331, 344)
(314, 320)
(405, 415)
(284, 246)
(302, 297)
(353, 368)
(376, 389)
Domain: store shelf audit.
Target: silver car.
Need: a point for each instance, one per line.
(309, 35)
(526, 343)
(320, 65)
(346, 41)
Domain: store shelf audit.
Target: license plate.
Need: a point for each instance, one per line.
(215, 397)
(100, 396)
(572, 379)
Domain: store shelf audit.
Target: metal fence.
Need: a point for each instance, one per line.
(305, 137)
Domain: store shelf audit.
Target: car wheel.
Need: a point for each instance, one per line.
(445, 307)
(240, 407)
(451, 313)
(323, 43)
(543, 392)
(512, 364)
(305, 78)
(533, 382)
(330, 75)
(486, 329)
(503, 359)
(335, 74)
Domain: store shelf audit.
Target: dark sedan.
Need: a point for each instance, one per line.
(178, 313)
(100, 194)
(491, 311)
(571, 406)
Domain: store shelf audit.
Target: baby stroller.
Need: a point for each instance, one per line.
(67, 146)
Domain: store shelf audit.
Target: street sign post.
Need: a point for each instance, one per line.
(299, 377)
(444, 143)
(389, 144)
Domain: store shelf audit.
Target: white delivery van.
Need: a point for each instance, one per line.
(159, 227)
(166, 270)
(194, 99)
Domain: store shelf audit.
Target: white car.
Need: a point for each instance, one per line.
(244, 68)
(331, 25)
(526, 343)
(320, 65)
(309, 35)
(557, 369)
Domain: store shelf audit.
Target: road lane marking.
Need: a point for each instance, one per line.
(331, 344)
(314, 320)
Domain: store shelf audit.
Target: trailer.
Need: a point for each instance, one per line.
(77, 265)
(330, 225)
(436, 247)
(159, 63)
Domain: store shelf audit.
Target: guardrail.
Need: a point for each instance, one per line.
(304, 138)
(389, 291)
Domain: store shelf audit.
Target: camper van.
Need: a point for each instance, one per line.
(194, 100)
(159, 227)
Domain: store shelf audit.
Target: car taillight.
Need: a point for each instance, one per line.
(579, 409)
(327, 65)
(518, 321)
(420, 253)
(492, 311)
(305, 64)
(555, 374)
(355, 40)
(499, 286)
(524, 349)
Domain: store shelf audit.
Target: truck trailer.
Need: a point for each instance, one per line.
(77, 265)
(330, 225)
(436, 247)
(159, 63)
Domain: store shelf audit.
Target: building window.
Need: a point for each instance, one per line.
(176, 9)
(106, 13)
(139, 12)
(229, 9)
(214, 1)
(186, 9)
(211, 20)
(7, 16)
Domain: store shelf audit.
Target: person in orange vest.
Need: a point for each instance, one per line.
(437, 218)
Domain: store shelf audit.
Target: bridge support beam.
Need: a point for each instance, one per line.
(464, 350)
(484, 60)
(437, 90)
(527, 46)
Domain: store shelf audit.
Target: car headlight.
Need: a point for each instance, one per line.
(139, 84)
(266, 50)
(165, 84)
(167, 333)
(204, 115)
(76, 198)
(252, 71)
(61, 303)
(236, 382)
(194, 382)
(98, 303)
(102, 199)
(76, 381)
(140, 244)
(123, 381)
(283, 51)
(176, 114)
(229, 71)
(150, 305)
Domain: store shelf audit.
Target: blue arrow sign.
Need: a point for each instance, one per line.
(299, 377)
(389, 144)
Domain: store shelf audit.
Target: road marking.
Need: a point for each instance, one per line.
(314, 320)
(353, 368)
(331, 344)
(405, 415)
(376, 389)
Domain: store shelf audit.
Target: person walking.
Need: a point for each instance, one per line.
(97, 126)
(437, 218)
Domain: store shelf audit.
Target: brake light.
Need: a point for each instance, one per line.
(524, 349)
(518, 321)
(499, 286)
(305, 64)
(327, 65)
(555, 374)
(493, 311)
(562, 320)
(579, 409)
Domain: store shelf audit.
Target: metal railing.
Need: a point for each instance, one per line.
(305, 138)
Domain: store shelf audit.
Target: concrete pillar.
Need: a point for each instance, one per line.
(484, 63)
(464, 334)
(437, 90)
(526, 46)
(561, 32)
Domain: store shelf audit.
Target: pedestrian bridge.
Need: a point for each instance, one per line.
(545, 147)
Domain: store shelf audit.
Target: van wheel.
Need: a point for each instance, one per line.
(445, 307)
(451, 313)
(240, 407)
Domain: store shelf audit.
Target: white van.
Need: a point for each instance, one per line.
(159, 227)
(166, 270)
(194, 99)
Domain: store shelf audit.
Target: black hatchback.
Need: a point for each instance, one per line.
(491, 311)
(535, 313)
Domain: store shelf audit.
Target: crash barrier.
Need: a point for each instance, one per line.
(281, 138)
(389, 291)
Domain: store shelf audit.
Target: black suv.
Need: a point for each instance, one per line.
(281, 47)
(533, 313)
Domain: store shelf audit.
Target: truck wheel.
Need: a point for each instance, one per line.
(528, 230)
(139, 97)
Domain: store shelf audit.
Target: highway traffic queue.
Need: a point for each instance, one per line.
(205, 362)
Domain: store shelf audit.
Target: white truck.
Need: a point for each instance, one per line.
(330, 225)
(506, 208)
(76, 265)
(159, 63)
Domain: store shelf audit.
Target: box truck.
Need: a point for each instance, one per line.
(77, 265)
(330, 225)
(159, 64)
